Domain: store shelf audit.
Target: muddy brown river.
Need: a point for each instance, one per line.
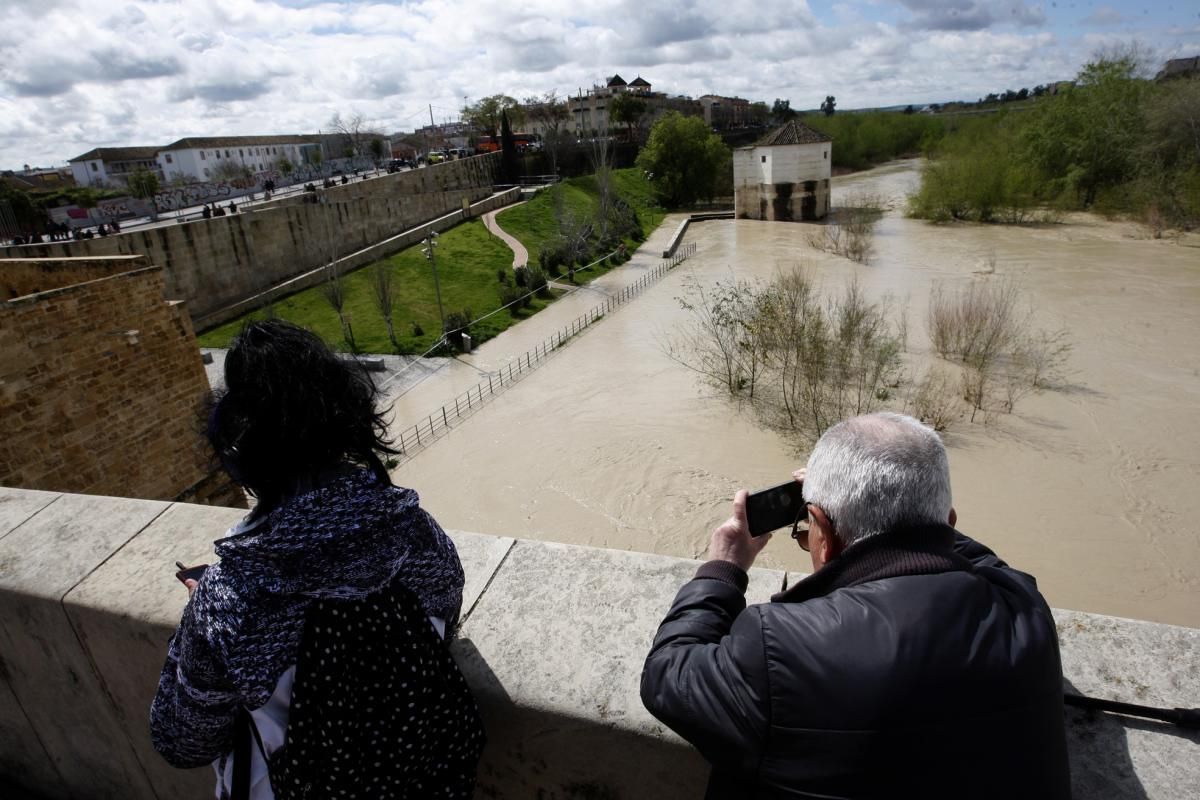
(1094, 488)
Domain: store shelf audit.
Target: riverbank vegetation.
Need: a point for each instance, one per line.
(864, 140)
(802, 360)
(1114, 143)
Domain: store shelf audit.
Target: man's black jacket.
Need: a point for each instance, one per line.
(916, 664)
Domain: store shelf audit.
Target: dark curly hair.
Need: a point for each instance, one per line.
(292, 409)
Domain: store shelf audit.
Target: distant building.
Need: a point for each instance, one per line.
(1178, 68)
(106, 166)
(35, 179)
(206, 158)
(784, 176)
(723, 113)
(589, 113)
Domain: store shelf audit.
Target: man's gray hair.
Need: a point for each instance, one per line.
(872, 473)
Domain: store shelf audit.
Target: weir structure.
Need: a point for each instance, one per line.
(552, 642)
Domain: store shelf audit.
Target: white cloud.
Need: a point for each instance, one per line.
(152, 71)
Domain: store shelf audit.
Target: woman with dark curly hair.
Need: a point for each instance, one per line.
(311, 659)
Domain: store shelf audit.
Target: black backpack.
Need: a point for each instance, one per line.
(379, 708)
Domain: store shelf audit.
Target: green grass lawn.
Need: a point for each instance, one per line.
(535, 222)
(468, 258)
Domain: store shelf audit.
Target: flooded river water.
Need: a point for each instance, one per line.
(1093, 488)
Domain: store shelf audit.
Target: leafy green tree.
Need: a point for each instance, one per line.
(684, 159)
(1086, 139)
(230, 170)
(28, 217)
(829, 106)
(759, 113)
(484, 116)
(143, 184)
(376, 147)
(781, 110)
(627, 109)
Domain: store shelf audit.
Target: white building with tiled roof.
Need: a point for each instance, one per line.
(107, 166)
(784, 176)
(201, 157)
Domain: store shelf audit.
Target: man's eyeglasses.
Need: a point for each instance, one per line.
(800, 535)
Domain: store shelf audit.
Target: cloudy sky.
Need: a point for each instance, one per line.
(76, 75)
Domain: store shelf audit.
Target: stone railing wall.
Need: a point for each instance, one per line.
(213, 263)
(552, 641)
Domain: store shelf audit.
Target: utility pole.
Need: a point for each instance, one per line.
(432, 128)
(430, 244)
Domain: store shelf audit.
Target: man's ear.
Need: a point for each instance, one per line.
(953, 517)
(830, 547)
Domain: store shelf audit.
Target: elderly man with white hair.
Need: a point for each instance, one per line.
(912, 662)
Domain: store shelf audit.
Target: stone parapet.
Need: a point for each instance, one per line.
(552, 642)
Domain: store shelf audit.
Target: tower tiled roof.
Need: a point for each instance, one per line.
(617, 80)
(793, 132)
(639, 81)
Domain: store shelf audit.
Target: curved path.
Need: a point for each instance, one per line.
(520, 254)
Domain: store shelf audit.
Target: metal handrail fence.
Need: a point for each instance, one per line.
(416, 437)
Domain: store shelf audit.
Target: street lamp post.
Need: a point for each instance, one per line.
(430, 244)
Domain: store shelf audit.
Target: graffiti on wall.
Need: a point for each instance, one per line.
(173, 197)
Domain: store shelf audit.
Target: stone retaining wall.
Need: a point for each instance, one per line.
(359, 258)
(552, 642)
(214, 263)
(101, 384)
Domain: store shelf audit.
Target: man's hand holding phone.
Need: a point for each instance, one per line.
(731, 540)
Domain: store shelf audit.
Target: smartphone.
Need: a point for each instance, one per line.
(189, 573)
(775, 508)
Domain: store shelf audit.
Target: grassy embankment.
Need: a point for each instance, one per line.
(468, 260)
(536, 223)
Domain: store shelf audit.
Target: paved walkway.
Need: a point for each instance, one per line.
(520, 254)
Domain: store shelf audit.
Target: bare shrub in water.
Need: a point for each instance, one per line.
(720, 342)
(804, 362)
(935, 400)
(985, 327)
(851, 231)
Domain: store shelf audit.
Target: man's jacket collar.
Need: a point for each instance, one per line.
(921, 550)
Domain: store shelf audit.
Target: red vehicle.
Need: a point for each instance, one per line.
(523, 141)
